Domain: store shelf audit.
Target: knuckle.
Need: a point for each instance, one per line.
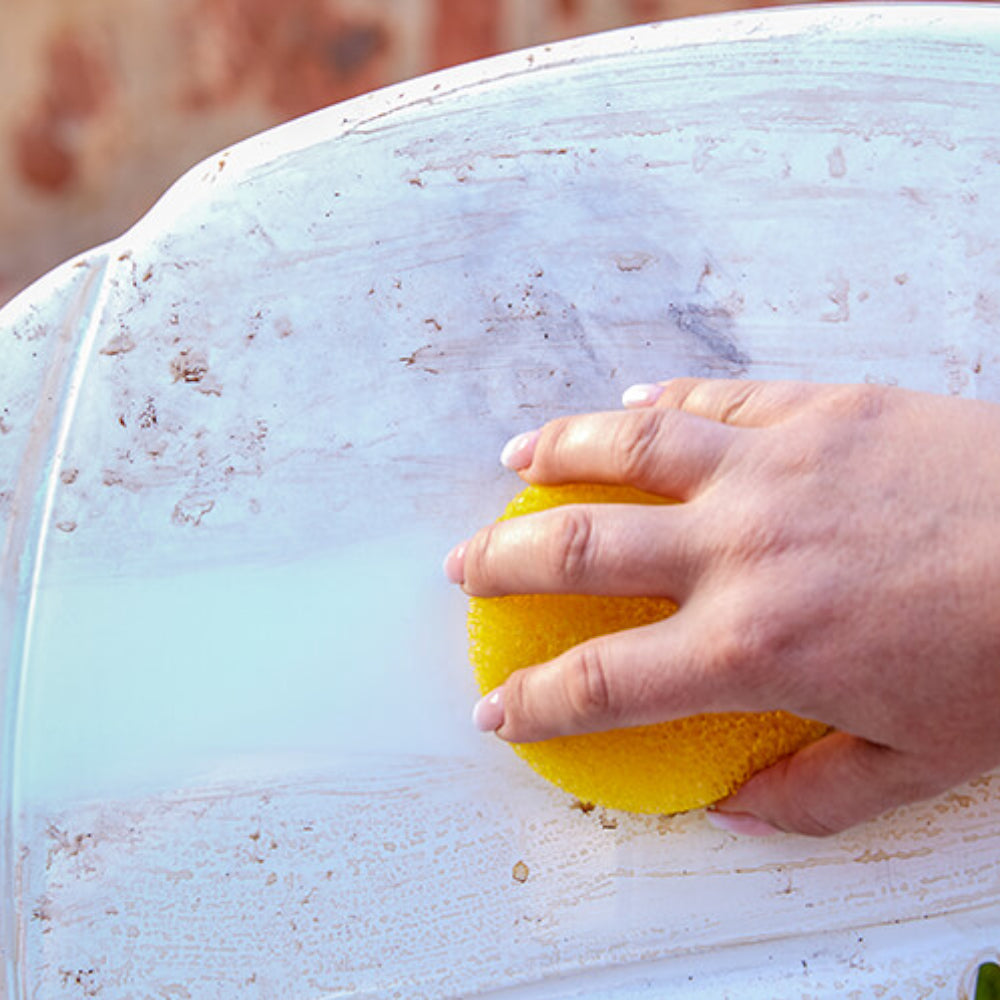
(730, 652)
(808, 819)
(554, 442)
(637, 442)
(574, 543)
(862, 768)
(749, 651)
(481, 560)
(737, 401)
(517, 707)
(765, 537)
(790, 806)
(788, 460)
(763, 638)
(761, 531)
(724, 400)
(679, 392)
(588, 685)
(860, 402)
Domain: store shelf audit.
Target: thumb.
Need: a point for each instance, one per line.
(826, 787)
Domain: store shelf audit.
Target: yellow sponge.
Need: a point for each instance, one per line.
(665, 768)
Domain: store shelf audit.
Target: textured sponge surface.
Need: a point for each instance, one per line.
(665, 768)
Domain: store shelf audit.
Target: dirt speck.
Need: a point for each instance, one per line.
(147, 416)
(987, 308)
(122, 343)
(174, 991)
(836, 162)
(419, 358)
(86, 979)
(520, 872)
(632, 261)
(69, 476)
(840, 296)
(584, 807)
(189, 366)
(67, 527)
(190, 510)
(64, 843)
(209, 387)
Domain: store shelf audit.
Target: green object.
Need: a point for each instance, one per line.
(988, 982)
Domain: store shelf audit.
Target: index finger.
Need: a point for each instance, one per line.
(740, 402)
(663, 451)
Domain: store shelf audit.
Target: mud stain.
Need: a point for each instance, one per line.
(711, 329)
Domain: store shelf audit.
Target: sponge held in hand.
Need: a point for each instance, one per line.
(664, 768)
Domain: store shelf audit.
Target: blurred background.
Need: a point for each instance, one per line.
(106, 102)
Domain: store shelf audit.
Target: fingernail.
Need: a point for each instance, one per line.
(454, 564)
(518, 451)
(487, 716)
(742, 824)
(643, 394)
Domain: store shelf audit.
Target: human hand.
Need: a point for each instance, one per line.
(836, 555)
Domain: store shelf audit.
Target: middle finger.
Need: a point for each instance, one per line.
(627, 550)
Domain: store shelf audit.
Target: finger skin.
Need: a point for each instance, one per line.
(834, 783)
(740, 402)
(611, 549)
(637, 677)
(662, 451)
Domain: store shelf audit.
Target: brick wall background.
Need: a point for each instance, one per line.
(106, 102)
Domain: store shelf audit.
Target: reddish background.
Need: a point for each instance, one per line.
(106, 102)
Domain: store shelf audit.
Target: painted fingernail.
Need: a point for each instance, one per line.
(642, 394)
(742, 824)
(487, 716)
(454, 564)
(518, 451)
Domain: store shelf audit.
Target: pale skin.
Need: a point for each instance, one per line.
(836, 554)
